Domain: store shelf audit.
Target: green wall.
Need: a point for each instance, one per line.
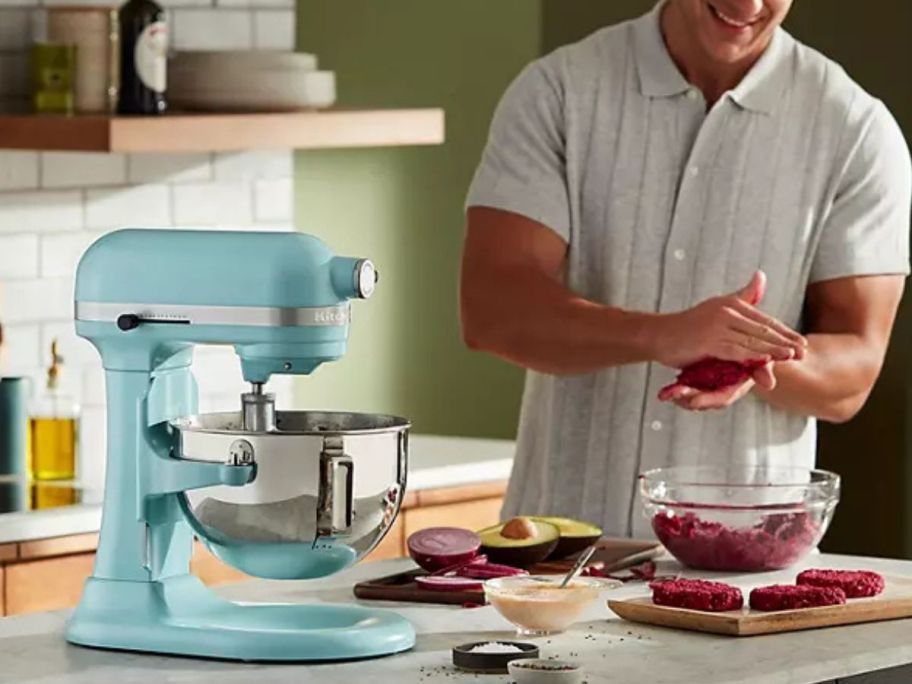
(403, 207)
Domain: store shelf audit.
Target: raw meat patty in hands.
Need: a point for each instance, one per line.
(710, 375)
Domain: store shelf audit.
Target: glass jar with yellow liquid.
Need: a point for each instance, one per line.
(53, 429)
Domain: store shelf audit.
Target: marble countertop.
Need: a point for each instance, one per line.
(434, 462)
(34, 651)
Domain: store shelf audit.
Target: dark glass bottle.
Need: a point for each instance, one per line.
(143, 58)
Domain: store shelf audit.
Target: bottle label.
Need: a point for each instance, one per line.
(151, 55)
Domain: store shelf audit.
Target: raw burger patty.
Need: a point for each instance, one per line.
(789, 596)
(715, 597)
(855, 583)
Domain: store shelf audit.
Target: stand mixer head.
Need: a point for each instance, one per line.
(277, 494)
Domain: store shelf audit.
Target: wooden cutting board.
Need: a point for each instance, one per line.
(894, 603)
(611, 555)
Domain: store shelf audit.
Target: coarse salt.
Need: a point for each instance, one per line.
(495, 647)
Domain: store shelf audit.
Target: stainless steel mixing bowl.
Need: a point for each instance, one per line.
(327, 488)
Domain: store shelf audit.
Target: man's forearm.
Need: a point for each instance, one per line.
(550, 329)
(832, 382)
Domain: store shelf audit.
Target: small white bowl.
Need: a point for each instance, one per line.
(545, 672)
(537, 605)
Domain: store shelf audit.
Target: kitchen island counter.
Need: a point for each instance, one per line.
(34, 651)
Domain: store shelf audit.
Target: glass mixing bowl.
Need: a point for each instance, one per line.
(537, 605)
(740, 518)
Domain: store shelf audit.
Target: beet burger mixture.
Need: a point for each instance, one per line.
(776, 542)
(711, 375)
(854, 583)
(792, 596)
(714, 597)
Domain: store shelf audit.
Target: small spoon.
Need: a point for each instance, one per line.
(578, 566)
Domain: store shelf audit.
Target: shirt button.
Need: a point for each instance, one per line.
(691, 94)
(680, 254)
(694, 170)
(656, 425)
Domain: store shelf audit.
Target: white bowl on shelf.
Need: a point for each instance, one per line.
(283, 90)
(216, 62)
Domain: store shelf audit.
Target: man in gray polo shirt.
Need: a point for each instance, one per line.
(633, 186)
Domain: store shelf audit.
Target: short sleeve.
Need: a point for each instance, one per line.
(866, 231)
(523, 168)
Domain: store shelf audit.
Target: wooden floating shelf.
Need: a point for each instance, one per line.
(224, 132)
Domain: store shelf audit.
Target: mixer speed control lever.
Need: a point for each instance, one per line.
(130, 321)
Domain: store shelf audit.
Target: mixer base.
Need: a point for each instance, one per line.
(181, 616)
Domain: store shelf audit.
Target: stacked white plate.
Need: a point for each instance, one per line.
(248, 81)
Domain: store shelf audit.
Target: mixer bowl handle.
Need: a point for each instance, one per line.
(335, 506)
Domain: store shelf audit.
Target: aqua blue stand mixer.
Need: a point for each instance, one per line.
(285, 495)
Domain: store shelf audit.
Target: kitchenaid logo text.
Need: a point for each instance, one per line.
(331, 316)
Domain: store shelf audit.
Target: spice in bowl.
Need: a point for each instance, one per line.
(545, 672)
(495, 647)
(491, 657)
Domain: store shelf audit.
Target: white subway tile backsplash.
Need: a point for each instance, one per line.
(253, 164)
(21, 349)
(82, 169)
(60, 252)
(274, 30)
(15, 28)
(32, 301)
(260, 4)
(274, 200)
(212, 204)
(75, 350)
(14, 74)
(93, 384)
(169, 168)
(40, 211)
(18, 170)
(218, 372)
(80, 3)
(18, 256)
(92, 442)
(186, 3)
(212, 29)
(139, 205)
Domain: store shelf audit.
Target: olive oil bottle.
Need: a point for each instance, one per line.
(53, 429)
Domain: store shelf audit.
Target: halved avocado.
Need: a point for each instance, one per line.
(520, 542)
(575, 535)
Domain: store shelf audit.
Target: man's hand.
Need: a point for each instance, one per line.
(730, 328)
(695, 400)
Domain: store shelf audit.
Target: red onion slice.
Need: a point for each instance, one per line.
(489, 571)
(437, 583)
(439, 548)
(454, 569)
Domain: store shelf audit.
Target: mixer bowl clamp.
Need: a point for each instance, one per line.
(335, 508)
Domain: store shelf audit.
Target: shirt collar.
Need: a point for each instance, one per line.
(659, 75)
(759, 90)
(762, 86)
